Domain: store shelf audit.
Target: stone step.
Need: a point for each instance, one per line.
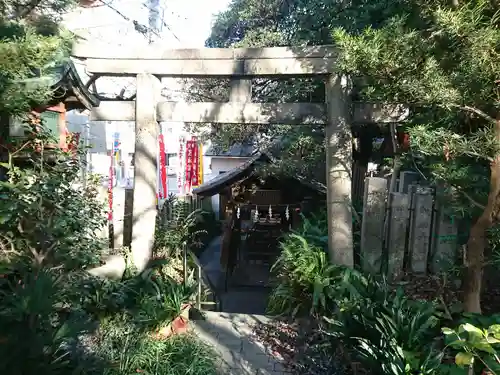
(231, 336)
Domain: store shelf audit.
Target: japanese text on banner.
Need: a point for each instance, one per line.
(189, 165)
(180, 168)
(110, 187)
(195, 170)
(163, 192)
(200, 164)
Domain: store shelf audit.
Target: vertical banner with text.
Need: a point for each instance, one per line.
(110, 186)
(195, 168)
(162, 189)
(200, 164)
(190, 147)
(181, 172)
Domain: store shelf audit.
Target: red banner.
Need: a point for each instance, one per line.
(110, 186)
(181, 169)
(190, 146)
(163, 169)
(194, 171)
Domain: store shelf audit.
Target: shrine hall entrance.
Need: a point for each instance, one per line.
(258, 211)
(260, 229)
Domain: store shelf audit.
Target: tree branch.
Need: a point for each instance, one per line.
(474, 110)
(27, 9)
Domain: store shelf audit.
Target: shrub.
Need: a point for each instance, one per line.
(37, 331)
(48, 227)
(177, 226)
(305, 281)
(125, 352)
(388, 332)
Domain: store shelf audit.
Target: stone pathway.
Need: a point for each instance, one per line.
(231, 336)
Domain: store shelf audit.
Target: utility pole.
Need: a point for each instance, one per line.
(153, 19)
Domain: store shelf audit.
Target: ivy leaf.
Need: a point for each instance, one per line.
(471, 329)
(447, 331)
(494, 330)
(463, 359)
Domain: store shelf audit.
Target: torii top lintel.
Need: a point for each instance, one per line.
(206, 62)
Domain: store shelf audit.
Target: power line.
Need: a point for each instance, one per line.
(162, 21)
(140, 28)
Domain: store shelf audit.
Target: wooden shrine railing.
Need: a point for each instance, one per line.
(202, 280)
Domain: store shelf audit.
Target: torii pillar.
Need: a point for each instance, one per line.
(146, 149)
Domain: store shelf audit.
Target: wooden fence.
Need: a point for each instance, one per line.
(124, 237)
(189, 204)
(421, 236)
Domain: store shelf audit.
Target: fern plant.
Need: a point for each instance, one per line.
(307, 283)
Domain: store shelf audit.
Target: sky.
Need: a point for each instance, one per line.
(189, 25)
(193, 24)
(188, 21)
(186, 24)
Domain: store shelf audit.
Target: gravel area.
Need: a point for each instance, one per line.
(301, 347)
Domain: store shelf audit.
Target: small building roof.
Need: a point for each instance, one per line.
(67, 86)
(239, 150)
(247, 170)
(68, 83)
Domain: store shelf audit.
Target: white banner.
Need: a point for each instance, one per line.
(181, 170)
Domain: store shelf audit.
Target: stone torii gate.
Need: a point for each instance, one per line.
(240, 65)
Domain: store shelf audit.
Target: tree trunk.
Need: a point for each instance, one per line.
(474, 253)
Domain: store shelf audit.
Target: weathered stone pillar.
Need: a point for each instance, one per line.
(118, 216)
(407, 178)
(420, 227)
(444, 243)
(372, 228)
(146, 149)
(398, 226)
(339, 171)
(127, 217)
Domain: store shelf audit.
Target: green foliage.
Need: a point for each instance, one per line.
(305, 280)
(475, 345)
(48, 228)
(388, 332)
(177, 226)
(47, 216)
(31, 44)
(161, 300)
(450, 84)
(48, 223)
(381, 327)
(129, 352)
(37, 333)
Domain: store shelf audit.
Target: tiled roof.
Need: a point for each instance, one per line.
(245, 170)
(235, 151)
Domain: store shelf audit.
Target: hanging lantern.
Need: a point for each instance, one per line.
(287, 213)
(256, 215)
(270, 212)
(238, 212)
